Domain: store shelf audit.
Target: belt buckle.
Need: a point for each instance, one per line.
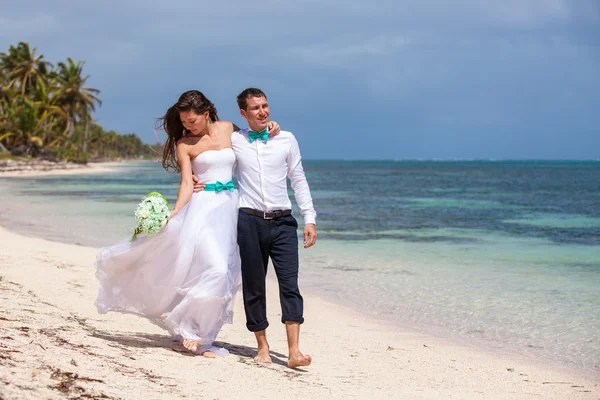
(265, 215)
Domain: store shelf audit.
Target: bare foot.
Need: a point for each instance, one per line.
(208, 354)
(263, 356)
(191, 345)
(299, 360)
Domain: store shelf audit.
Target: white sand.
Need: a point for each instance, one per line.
(52, 339)
(58, 169)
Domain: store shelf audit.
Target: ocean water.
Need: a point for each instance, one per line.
(505, 254)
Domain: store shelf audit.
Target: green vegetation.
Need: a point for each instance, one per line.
(46, 111)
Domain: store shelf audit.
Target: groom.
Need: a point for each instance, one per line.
(266, 227)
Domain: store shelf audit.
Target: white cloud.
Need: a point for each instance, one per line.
(346, 49)
(29, 26)
(528, 13)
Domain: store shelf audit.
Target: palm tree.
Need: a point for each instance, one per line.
(50, 112)
(25, 67)
(25, 123)
(4, 89)
(6, 96)
(76, 99)
(45, 108)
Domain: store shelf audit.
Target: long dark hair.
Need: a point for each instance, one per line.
(192, 100)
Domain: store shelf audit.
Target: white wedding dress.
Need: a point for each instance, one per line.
(184, 278)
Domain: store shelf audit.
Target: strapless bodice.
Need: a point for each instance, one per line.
(214, 165)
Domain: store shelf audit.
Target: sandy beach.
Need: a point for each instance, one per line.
(54, 345)
(11, 168)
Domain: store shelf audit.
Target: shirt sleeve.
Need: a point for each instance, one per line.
(299, 183)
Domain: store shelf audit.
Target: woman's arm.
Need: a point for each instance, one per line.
(272, 127)
(186, 187)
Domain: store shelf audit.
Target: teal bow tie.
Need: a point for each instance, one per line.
(264, 135)
(219, 187)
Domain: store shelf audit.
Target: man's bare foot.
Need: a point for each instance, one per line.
(191, 345)
(299, 360)
(263, 356)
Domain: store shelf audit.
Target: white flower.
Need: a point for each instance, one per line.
(152, 214)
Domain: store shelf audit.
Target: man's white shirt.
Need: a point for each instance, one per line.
(262, 168)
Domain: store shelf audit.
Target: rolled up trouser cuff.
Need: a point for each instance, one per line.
(292, 318)
(257, 327)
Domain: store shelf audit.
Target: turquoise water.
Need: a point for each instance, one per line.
(506, 254)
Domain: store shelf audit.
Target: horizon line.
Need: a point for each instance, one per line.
(457, 159)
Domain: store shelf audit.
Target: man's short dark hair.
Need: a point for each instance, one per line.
(242, 98)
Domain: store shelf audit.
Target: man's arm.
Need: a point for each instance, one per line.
(198, 186)
(302, 193)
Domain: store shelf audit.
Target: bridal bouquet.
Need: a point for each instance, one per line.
(151, 214)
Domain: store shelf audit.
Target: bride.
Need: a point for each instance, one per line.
(184, 278)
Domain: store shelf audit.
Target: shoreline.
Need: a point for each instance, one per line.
(48, 289)
(33, 168)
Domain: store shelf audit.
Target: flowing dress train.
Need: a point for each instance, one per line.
(184, 278)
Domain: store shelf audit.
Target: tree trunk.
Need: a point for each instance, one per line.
(85, 136)
(45, 130)
(71, 128)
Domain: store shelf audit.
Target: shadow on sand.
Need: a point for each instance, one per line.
(152, 340)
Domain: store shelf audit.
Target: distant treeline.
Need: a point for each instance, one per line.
(46, 111)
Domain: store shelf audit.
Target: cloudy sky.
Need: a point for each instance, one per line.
(377, 79)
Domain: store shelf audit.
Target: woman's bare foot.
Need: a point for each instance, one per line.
(263, 356)
(208, 354)
(299, 360)
(191, 345)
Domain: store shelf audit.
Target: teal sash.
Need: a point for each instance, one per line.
(219, 187)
